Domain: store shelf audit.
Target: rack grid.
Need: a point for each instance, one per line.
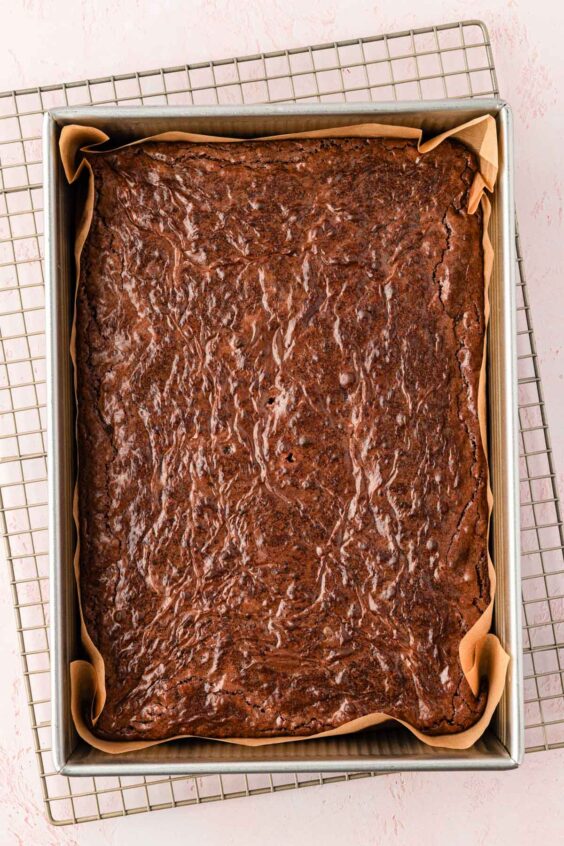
(450, 60)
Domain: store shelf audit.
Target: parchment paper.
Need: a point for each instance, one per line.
(481, 653)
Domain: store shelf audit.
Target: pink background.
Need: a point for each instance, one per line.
(44, 41)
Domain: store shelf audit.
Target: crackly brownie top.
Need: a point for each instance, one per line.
(282, 485)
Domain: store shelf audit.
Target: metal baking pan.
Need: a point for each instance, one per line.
(382, 749)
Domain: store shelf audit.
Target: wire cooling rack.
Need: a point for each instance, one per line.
(452, 60)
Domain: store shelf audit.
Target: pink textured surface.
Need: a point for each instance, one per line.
(526, 37)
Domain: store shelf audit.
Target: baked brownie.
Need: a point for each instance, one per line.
(282, 485)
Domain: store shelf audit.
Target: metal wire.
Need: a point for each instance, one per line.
(451, 60)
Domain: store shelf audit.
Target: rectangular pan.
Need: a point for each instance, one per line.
(501, 747)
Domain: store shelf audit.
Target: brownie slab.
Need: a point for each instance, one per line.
(282, 486)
